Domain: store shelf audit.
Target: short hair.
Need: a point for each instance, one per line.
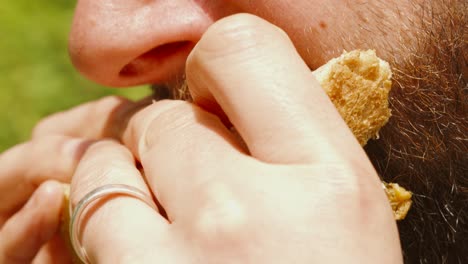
(424, 147)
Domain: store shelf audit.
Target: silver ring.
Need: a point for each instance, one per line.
(76, 213)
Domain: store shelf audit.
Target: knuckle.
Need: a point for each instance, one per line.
(41, 146)
(167, 117)
(60, 122)
(51, 144)
(105, 152)
(225, 223)
(244, 27)
(353, 191)
(50, 157)
(44, 126)
(221, 216)
(104, 145)
(234, 35)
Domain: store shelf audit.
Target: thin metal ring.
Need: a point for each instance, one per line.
(100, 192)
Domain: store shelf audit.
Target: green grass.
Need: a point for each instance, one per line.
(36, 75)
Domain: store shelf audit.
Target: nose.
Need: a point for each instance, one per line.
(131, 42)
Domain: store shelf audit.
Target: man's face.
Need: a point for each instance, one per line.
(122, 42)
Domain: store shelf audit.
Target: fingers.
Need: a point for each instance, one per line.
(182, 149)
(252, 70)
(104, 118)
(26, 166)
(28, 230)
(115, 226)
(55, 251)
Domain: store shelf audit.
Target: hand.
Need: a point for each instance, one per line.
(30, 191)
(303, 192)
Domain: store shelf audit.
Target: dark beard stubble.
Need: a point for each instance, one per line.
(424, 147)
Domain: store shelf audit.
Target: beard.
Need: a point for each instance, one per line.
(424, 146)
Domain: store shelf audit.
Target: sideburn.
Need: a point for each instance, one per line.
(424, 147)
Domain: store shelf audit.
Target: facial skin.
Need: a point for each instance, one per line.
(123, 43)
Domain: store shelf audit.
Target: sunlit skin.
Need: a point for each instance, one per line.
(110, 37)
(242, 64)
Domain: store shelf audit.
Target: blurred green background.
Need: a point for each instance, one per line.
(36, 75)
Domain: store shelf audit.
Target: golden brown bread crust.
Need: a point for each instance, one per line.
(399, 198)
(358, 83)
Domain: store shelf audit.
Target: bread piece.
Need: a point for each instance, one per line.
(358, 84)
(400, 200)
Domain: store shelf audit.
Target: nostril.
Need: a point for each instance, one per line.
(156, 56)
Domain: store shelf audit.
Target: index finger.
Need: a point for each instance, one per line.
(252, 70)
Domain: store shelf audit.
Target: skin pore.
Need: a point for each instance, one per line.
(424, 146)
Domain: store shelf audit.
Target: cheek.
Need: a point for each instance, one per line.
(312, 25)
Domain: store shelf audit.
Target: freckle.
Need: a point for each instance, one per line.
(322, 25)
